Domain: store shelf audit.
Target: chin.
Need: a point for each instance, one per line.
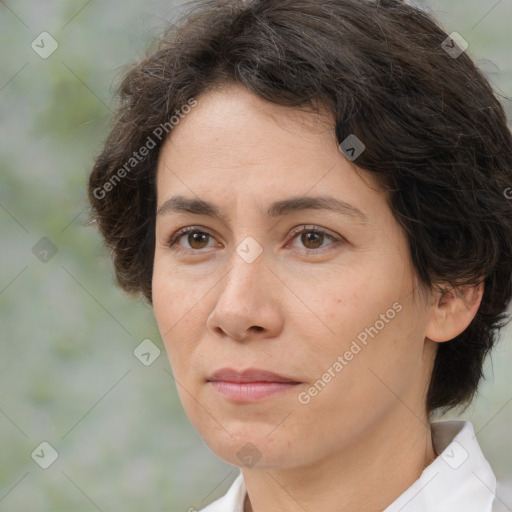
(251, 447)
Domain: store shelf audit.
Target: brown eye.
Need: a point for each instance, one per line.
(312, 239)
(197, 239)
(194, 238)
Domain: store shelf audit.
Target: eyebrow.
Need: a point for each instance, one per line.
(281, 208)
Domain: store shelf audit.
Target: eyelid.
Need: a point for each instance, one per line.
(336, 239)
(315, 228)
(183, 231)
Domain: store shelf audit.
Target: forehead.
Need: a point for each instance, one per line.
(233, 104)
(229, 125)
(233, 145)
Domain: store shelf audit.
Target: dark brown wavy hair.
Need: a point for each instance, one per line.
(436, 140)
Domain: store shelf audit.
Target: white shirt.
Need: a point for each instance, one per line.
(459, 480)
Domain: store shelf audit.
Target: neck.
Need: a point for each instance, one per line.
(367, 476)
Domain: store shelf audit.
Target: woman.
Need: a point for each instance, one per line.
(311, 194)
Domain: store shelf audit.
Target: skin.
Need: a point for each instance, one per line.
(365, 438)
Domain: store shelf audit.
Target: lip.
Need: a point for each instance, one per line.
(249, 375)
(249, 385)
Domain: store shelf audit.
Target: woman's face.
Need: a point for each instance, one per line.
(294, 266)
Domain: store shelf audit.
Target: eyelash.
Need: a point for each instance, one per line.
(303, 229)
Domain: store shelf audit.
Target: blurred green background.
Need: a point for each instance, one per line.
(68, 373)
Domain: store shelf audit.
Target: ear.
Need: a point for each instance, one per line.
(452, 311)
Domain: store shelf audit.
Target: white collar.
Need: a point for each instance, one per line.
(459, 480)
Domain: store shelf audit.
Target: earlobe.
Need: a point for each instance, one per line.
(452, 311)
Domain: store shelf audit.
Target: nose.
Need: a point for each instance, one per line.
(248, 306)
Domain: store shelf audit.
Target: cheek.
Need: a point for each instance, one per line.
(374, 325)
(176, 312)
(352, 303)
(174, 296)
(371, 378)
